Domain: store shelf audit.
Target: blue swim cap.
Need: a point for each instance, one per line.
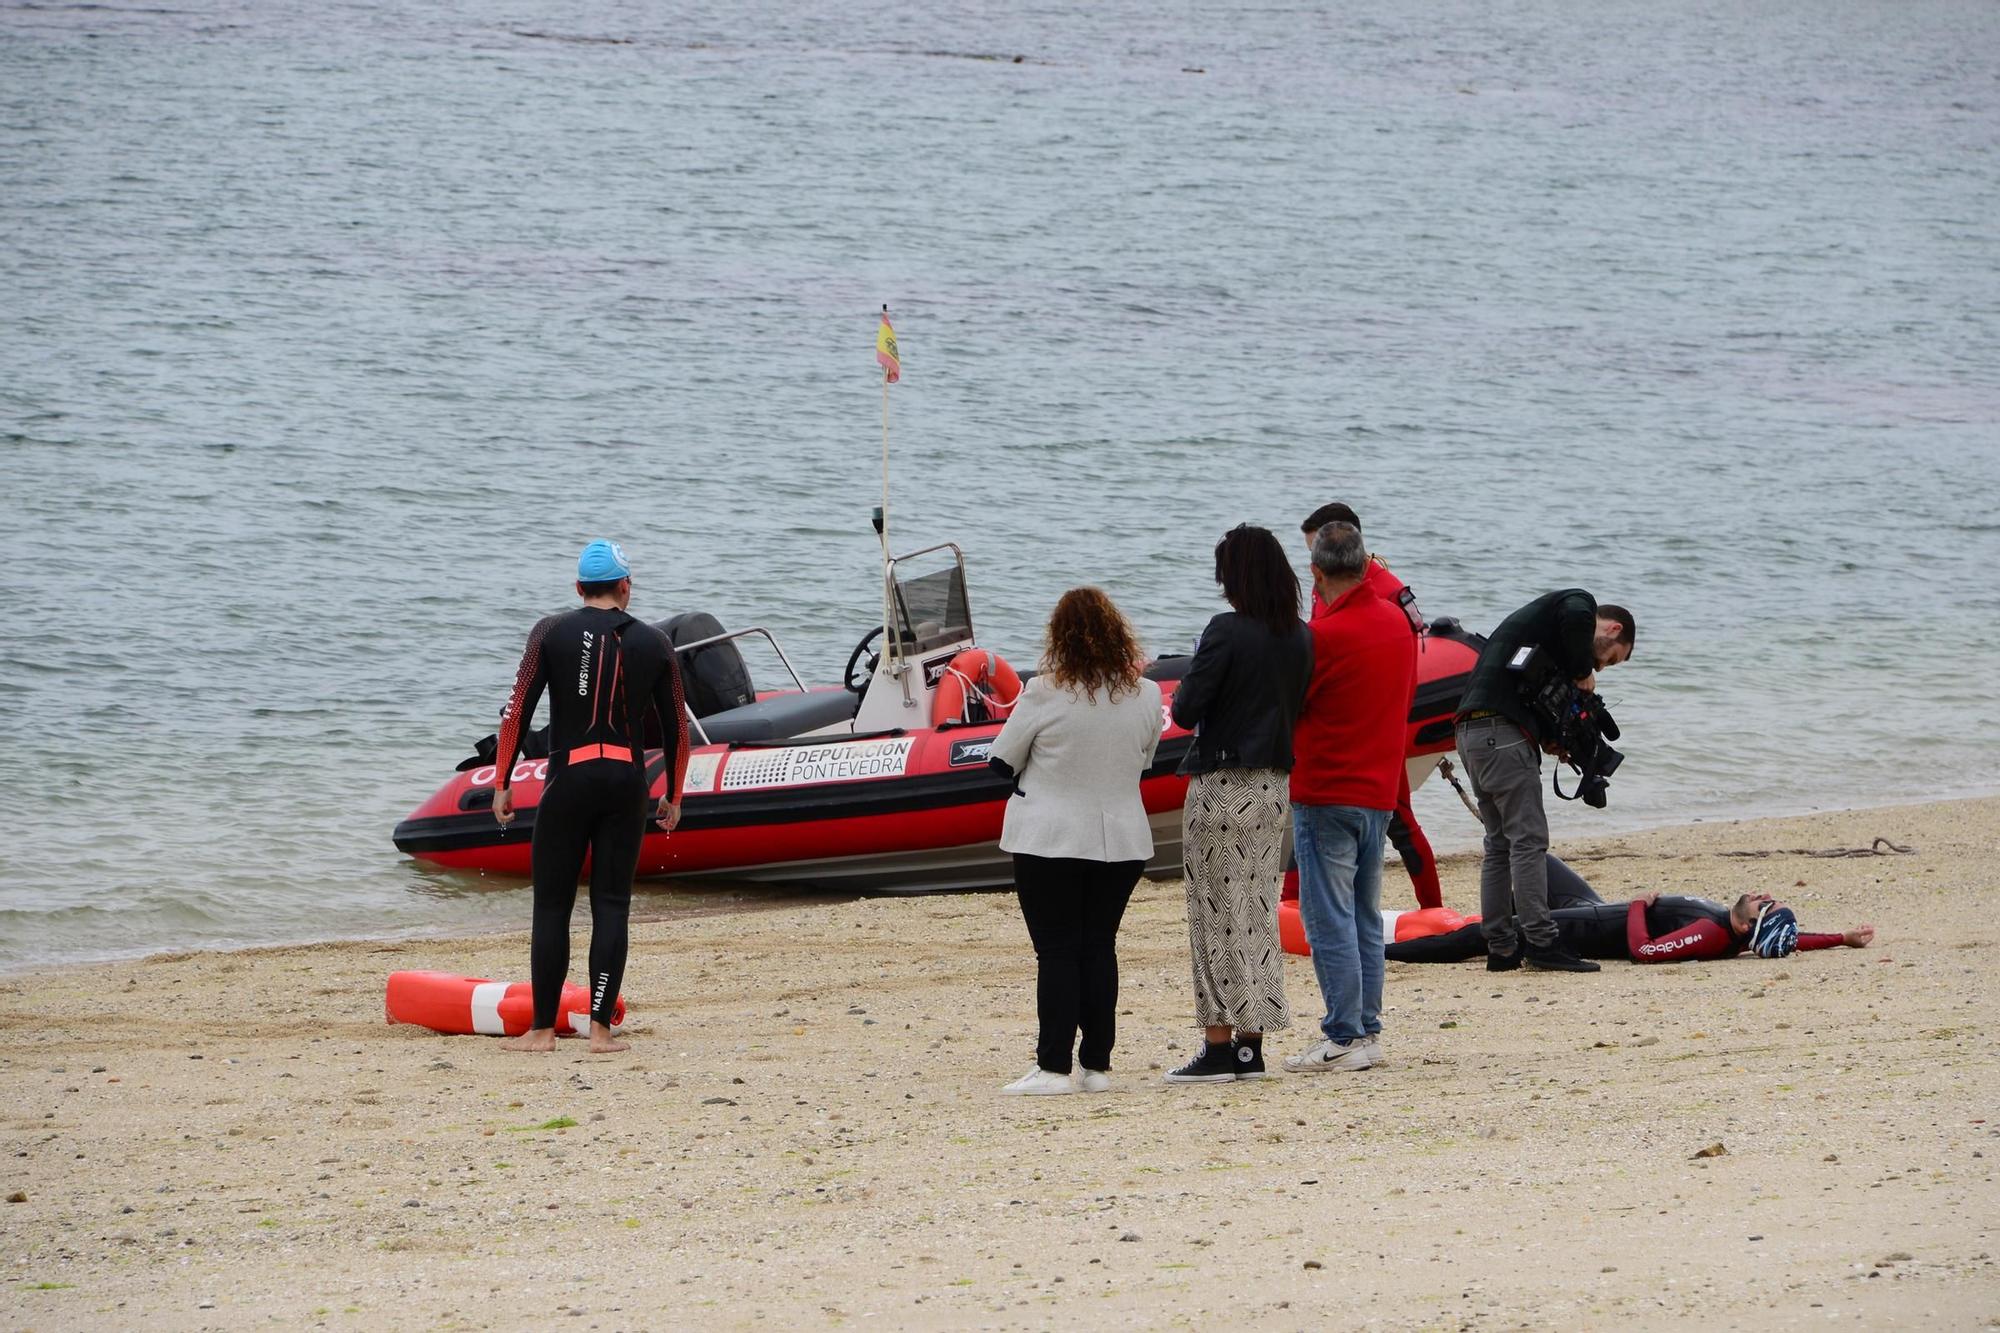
(1776, 934)
(602, 562)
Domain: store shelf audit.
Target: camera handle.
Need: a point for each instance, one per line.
(1555, 782)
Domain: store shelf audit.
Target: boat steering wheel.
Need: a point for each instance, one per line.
(854, 659)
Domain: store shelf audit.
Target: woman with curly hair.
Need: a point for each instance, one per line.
(1076, 746)
(1241, 696)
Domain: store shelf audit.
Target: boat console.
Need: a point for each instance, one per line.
(924, 602)
(889, 679)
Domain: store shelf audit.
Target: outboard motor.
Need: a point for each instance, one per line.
(714, 679)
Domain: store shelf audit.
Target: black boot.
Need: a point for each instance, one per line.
(1503, 962)
(1555, 958)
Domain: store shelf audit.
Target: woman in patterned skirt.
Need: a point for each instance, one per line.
(1241, 696)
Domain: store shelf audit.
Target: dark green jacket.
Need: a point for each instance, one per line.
(1560, 626)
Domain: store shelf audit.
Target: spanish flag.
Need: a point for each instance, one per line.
(885, 350)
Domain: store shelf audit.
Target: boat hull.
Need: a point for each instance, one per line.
(899, 812)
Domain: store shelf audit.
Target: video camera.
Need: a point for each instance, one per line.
(1581, 727)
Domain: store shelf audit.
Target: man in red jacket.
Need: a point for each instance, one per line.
(1347, 764)
(1405, 834)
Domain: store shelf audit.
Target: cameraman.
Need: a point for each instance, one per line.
(1564, 635)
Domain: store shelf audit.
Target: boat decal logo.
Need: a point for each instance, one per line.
(935, 668)
(798, 765)
(525, 769)
(973, 751)
(701, 772)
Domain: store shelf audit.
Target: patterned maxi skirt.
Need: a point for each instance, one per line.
(1236, 822)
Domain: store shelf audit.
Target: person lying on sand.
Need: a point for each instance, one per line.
(1654, 928)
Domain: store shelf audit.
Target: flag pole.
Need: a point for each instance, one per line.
(885, 462)
(891, 649)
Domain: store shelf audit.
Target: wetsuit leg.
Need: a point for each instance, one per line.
(1407, 837)
(562, 837)
(1567, 888)
(614, 857)
(1454, 946)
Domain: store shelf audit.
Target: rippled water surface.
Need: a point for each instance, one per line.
(331, 332)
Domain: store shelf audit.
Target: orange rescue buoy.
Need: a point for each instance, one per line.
(467, 1006)
(1417, 925)
(980, 673)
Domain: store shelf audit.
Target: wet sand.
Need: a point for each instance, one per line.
(808, 1129)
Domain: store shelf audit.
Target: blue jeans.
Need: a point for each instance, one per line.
(1340, 903)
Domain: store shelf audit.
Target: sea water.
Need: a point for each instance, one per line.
(330, 332)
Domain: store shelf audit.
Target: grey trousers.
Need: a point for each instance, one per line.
(1506, 772)
(1237, 823)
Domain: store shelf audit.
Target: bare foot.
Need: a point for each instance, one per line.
(534, 1039)
(603, 1043)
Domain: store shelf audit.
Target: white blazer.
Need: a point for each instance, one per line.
(1077, 765)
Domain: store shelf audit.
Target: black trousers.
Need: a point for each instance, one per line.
(1073, 909)
(596, 809)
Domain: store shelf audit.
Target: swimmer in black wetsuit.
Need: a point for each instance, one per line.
(1655, 928)
(603, 669)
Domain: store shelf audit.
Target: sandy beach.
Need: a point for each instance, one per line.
(808, 1130)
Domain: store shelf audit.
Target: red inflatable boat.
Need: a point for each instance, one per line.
(877, 785)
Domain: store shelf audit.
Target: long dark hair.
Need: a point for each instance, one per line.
(1091, 645)
(1256, 577)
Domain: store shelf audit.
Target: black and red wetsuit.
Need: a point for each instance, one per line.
(1405, 834)
(1675, 933)
(602, 669)
(1671, 929)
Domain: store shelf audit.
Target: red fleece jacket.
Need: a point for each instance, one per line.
(1347, 748)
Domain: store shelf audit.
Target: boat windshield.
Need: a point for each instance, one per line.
(931, 609)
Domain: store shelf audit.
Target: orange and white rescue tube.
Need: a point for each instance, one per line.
(977, 673)
(471, 1006)
(1417, 925)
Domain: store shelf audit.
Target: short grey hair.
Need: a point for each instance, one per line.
(1338, 551)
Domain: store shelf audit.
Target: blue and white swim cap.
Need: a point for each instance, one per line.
(1776, 933)
(602, 562)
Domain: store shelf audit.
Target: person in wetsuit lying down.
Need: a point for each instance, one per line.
(604, 670)
(1654, 928)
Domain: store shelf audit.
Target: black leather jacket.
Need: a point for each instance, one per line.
(1242, 694)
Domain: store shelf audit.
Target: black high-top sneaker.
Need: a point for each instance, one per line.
(1214, 1064)
(1249, 1058)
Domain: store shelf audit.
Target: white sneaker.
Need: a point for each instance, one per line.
(1040, 1082)
(1325, 1055)
(1093, 1080)
(1375, 1056)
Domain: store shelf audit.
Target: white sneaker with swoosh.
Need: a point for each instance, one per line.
(1325, 1055)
